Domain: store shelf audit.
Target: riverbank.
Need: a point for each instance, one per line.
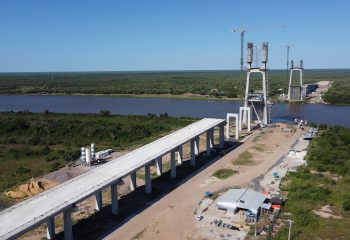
(171, 84)
(185, 96)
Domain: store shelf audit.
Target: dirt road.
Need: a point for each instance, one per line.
(172, 217)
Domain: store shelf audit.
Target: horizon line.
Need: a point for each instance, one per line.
(177, 70)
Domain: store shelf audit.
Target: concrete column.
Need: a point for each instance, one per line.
(148, 180)
(228, 117)
(98, 200)
(209, 142)
(50, 230)
(114, 199)
(159, 165)
(67, 225)
(193, 155)
(222, 135)
(240, 121)
(133, 180)
(197, 145)
(179, 154)
(173, 164)
(249, 120)
(212, 138)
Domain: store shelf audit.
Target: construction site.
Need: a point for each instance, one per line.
(154, 190)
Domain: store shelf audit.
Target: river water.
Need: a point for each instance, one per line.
(317, 113)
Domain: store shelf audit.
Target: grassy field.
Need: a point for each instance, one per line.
(210, 83)
(245, 158)
(224, 173)
(325, 181)
(34, 144)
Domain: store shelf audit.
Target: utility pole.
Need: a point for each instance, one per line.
(290, 227)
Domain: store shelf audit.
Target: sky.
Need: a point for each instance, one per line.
(147, 35)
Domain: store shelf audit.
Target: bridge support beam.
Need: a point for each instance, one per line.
(222, 135)
(114, 199)
(179, 154)
(244, 118)
(193, 155)
(228, 117)
(148, 180)
(196, 150)
(209, 141)
(133, 180)
(67, 225)
(159, 165)
(98, 200)
(173, 164)
(50, 230)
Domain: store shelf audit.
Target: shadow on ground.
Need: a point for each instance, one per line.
(102, 223)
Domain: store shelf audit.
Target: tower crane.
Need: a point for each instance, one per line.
(242, 30)
(288, 46)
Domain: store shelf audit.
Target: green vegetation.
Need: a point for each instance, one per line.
(325, 181)
(245, 158)
(213, 83)
(339, 93)
(224, 173)
(34, 144)
(259, 147)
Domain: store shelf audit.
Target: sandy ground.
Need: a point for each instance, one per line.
(316, 97)
(172, 217)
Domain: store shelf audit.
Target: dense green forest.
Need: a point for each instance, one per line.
(339, 93)
(32, 144)
(216, 83)
(324, 181)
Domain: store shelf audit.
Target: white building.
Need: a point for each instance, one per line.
(241, 199)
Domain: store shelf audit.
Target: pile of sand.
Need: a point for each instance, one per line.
(33, 187)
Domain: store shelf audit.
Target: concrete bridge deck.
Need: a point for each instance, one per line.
(41, 208)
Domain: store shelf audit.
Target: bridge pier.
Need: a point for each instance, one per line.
(114, 199)
(98, 200)
(173, 164)
(159, 165)
(148, 181)
(179, 154)
(50, 230)
(228, 117)
(133, 180)
(222, 135)
(193, 155)
(209, 142)
(212, 138)
(67, 224)
(196, 150)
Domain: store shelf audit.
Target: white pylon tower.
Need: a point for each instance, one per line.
(295, 92)
(256, 99)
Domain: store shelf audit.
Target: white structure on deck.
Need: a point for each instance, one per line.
(247, 199)
(237, 125)
(43, 207)
(244, 118)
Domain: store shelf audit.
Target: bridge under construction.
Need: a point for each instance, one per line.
(20, 218)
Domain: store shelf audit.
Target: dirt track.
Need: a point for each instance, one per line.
(172, 216)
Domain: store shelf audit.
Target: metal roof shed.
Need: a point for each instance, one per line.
(241, 198)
